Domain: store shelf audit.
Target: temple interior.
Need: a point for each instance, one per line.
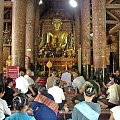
(49, 35)
(86, 36)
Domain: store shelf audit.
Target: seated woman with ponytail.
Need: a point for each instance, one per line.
(21, 105)
(87, 110)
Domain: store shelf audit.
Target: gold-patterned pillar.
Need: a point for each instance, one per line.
(37, 25)
(119, 47)
(1, 38)
(99, 38)
(108, 47)
(114, 53)
(18, 33)
(77, 26)
(78, 34)
(30, 30)
(85, 35)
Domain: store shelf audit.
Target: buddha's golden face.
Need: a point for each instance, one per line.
(57, 24)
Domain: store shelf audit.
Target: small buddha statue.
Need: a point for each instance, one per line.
(8, 61)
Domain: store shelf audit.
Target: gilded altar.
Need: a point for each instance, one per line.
(60, 63)
(58, 46)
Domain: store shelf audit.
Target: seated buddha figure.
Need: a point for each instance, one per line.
(56, 38)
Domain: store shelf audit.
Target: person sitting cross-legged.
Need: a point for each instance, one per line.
(57, 93)
(23, 85)
(44, 107)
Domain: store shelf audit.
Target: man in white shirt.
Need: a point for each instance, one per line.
(28, 77)
(22, 83)
(57, 94)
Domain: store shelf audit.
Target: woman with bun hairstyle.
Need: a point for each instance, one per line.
(87, 110)
(21, 105)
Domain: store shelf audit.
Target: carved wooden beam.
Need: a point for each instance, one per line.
(111, 22)
(109, 1)
(112, 15)
(7, 20)
(8, 4)
(113, 6)
(7, 10)
(114, 29)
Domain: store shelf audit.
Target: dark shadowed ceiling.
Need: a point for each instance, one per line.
(53, 6)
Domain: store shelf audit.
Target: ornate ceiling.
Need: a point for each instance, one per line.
(112, 12)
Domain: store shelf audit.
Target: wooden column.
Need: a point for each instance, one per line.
(18, 33)
(119, 47)
(86, 48)
(77, 25)
(37, 35)
(1, 38)
(30, 30)
(78, 34)
(99, 38)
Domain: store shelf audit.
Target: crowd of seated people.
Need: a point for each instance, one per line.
(113, 94)
(51, 100)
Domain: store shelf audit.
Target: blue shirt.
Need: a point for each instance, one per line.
(43, 112)
(20, 116)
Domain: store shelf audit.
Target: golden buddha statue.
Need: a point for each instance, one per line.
(56, 39)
